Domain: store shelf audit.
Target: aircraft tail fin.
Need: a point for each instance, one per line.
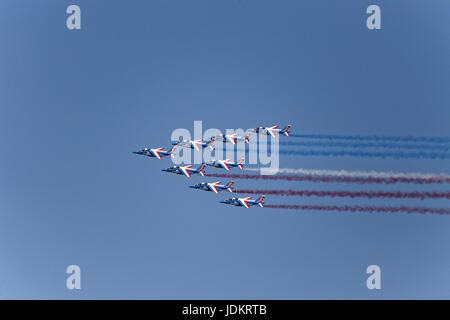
(229, 185)
(172, 151)
(286, 130)
(247, 137)
(241, 163)
(201, 169)
(260, 200)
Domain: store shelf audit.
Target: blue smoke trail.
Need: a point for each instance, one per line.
(364, 154)
(385, 145)
(374, 138)
(361, 154)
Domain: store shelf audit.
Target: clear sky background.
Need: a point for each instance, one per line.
(75, 104)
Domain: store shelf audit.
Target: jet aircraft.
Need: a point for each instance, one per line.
(273, 130)
(215, 186)
(245, 202)
(195, 144)
(232, 138)
(157, 153)
(188, 171)
(226, 164)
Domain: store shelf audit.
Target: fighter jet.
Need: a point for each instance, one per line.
(188, 171)
(195, 144)
(157, 153)
(232, 138)
(273, 130)
(226, 164)
(245, 202)
(215, 186)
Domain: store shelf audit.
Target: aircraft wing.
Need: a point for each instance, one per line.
(271, 131)
(231, 138)
(244, 202)
(196, 144)
(214, 187)
(185, 171)
(156, 153)
(224, 165)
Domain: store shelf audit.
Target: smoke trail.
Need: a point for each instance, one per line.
(367, 154)
(345, 173)
(310, 178)
(352, 194)
(361, 154)
(361, 209)
(374, 138)
(385, 145)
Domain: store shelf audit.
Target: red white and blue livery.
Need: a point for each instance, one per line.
(245, 202)
(188, 171)
(232, 138)
(272, 131)
(157, 153)
(214, 186)
(226, 164)
(196, 144)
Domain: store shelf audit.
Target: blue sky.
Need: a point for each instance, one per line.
(74, 104)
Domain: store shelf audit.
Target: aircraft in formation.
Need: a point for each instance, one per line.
(195, 144)
(214, 187)
(188, 171)
(245, 202)
(232, 138)
(273, 130)
(157, 153)
(227, 164)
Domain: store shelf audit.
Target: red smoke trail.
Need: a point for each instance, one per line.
(313, 178)
(361, 209)
(352, 194)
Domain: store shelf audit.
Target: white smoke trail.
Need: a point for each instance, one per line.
(345, 173)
